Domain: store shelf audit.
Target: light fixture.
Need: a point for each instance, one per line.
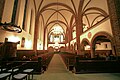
(57, 30)
(10, 27)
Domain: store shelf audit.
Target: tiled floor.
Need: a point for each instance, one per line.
(57, 71)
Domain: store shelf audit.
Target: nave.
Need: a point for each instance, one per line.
(57, 71)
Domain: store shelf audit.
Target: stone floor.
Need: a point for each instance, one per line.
(57, 71)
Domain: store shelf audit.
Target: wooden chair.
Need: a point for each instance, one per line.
(2, 70)
(16, 74)
(19, 76)
(4, 76)
(29, 71)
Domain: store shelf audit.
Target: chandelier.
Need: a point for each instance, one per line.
(57, 29)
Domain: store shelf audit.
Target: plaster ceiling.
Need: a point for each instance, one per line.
(57, 12)
(61, 12)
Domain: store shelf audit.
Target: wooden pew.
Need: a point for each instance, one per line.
(46, 58)
(86, 66)
(69, 60)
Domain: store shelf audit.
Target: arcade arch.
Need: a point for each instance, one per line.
(85, 48)
(101, 44)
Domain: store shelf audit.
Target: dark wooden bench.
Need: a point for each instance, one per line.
(69, 60)
(86, 66)
(46, 58)
(38, 63)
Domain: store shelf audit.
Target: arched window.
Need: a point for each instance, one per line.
(14, 11)
(2, 2)
(25, 10)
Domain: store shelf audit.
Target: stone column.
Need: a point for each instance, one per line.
(44, 37)
(36, 33)
(114, 13)
(92, 51)
(69, 40)
(78, 21)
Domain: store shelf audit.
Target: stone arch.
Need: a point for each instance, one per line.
(99, 38)
(85, 47)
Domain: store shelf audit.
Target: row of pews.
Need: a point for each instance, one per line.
(69, 60)
(45, 60)
(97, 66)
(15, 69)
(78, 64)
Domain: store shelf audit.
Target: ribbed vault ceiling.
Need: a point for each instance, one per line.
(57, 11)
(63, 12)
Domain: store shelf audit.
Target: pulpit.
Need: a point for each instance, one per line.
(8, 50)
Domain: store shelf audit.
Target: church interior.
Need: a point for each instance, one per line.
(59, 39)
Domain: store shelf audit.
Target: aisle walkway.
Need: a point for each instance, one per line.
(56, 65)
(57, 71)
